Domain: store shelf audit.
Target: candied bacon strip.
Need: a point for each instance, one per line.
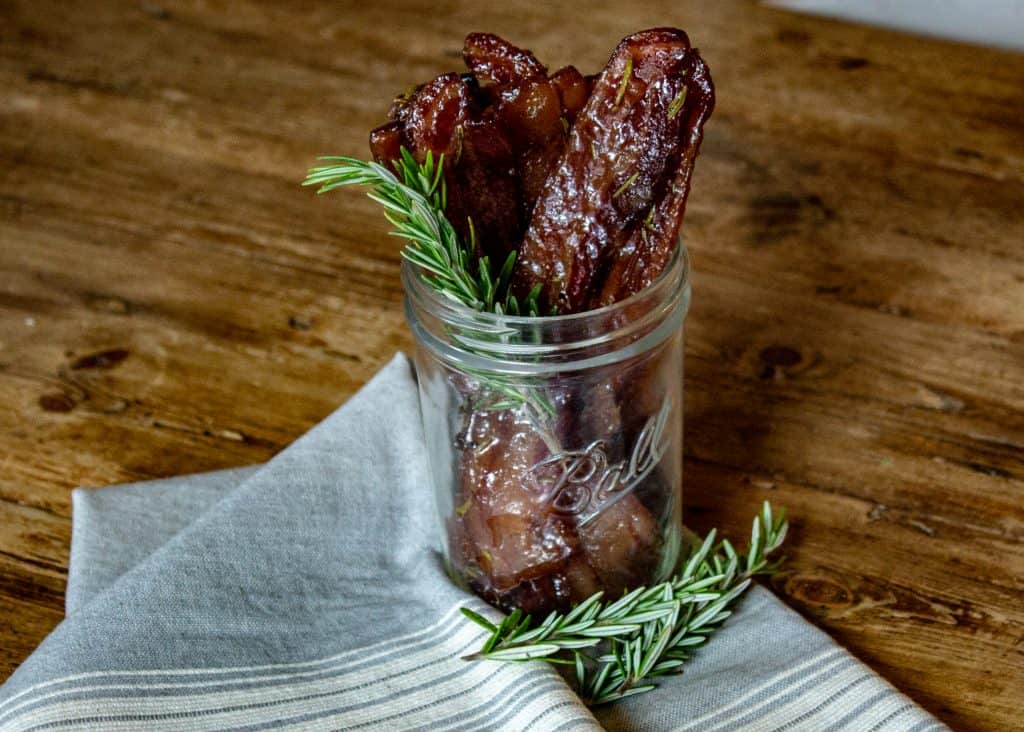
(619, 148)
(621, 545)
(491, 58)
(442, 117)
(560, 590)
(431, 116)
(573, 90)
(507, 535)
(386, 142)
(500, 141)
(501, 525)
(531, 113)
(649, 248)
(482, 186)
(533, 110)
(503, 130)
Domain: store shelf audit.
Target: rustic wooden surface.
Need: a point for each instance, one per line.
(172, 301)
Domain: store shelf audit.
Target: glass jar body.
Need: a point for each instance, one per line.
(555, 444)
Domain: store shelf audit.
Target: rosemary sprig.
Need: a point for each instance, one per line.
(507, 395)
(414, 198)
(617, 648)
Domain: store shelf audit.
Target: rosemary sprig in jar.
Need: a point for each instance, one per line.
(617, 648)
(414, 198)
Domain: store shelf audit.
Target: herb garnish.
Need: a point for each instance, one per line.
(676, 105)
(649, 632)
(625, 186)
(414, 203)
(627, 73)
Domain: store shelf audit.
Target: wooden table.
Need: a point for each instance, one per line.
(173, 301)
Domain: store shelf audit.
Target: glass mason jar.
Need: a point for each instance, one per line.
(555, 443)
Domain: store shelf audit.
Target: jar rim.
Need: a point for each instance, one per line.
(678, 268)
(537, 345)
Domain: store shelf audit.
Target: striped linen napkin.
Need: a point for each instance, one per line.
(307, 594)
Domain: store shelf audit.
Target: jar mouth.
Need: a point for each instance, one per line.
(539, 344)
(678, 268)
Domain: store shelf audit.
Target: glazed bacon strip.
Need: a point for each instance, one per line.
(621, 146)
(526, 554)
(531, 113)
(493, 59)
(565, 164)
(649, 248)
(573, 91)
(502, 129)
(534, 110)
(443, 117)
(621, 543)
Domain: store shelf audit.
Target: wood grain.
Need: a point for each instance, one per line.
(172, 301)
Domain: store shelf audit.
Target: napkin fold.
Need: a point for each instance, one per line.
(307, 593)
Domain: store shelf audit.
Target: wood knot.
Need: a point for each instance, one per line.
(781, 356)
(154, 11)
(818, 591)
(793, 36)
(100, 360)
(58, 401)
(778, 215)
(778, 362)
(851, 63)
(966, 152)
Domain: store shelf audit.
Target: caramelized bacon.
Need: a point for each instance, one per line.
(621, 545)
(431, 117)
(386, 142)
(532, 109)
(482, 186)
(506, 532)
(531, 113)
(620, 146)
(573, 89)
(492, 58)
(443, 117)
(502, 526)
(649, 248)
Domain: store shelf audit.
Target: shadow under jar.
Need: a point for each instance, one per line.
(555, 443)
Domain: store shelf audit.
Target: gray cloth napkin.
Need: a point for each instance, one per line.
(307, 593)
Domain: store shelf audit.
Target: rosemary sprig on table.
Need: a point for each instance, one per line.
(414, 203)
(617, 648)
